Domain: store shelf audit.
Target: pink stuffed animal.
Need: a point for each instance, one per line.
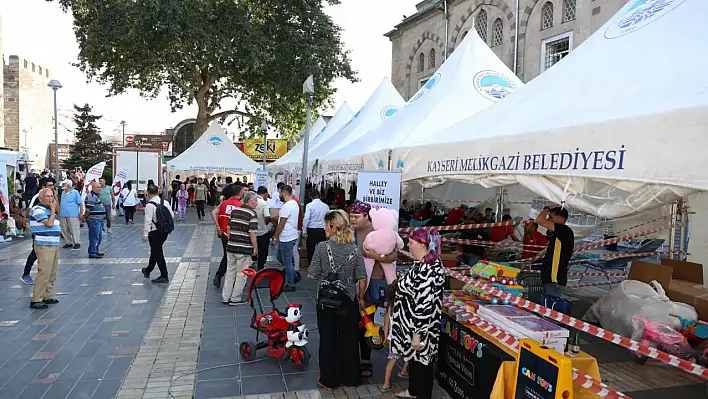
(383, 240)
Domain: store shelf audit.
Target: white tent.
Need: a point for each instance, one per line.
(470, 80)
(616, 127)
(213, 152)
(382, 104)
(295, 153)
(292, 161)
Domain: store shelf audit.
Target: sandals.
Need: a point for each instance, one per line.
(401, 375)
(366, 370)
(404, 394)
(323, 386)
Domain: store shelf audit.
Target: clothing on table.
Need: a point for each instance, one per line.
(559, 252)
(417, 309)
(70, 204)
(70, 230)
(532, 244)
(338, 354)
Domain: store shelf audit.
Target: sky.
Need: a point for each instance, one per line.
(39, 31)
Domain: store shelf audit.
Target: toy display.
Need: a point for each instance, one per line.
(662, 337)
(523, 324)
(495, 272)
(286, 336)
(372, 331)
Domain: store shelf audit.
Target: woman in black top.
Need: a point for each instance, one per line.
(338, 259)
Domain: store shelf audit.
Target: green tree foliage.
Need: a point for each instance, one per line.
(257, 52)
(89, 148)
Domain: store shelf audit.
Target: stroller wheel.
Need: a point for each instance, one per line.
(300, 356)
(375, 342)
(248, 350)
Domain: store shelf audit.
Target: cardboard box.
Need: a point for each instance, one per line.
(682, 281)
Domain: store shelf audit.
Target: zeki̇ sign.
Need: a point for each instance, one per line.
(380, 189)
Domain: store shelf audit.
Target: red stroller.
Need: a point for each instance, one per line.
(286, 337)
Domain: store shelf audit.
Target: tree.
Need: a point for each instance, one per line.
(257, 52)
(89, 148)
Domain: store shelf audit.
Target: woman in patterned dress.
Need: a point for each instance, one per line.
(417, 311)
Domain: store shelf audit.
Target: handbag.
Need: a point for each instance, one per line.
(377, 292)
(332, 291)
(555, 303)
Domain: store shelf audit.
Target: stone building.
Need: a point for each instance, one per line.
(548, 31)
(28, 106)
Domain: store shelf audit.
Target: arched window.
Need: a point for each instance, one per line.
(547, 16)
(497, 32)
(568, 10)
(481, 25)
(432, 58)
(421, 62)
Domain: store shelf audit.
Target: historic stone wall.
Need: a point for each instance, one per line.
(425, 30)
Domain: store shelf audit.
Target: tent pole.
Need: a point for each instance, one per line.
(672, 232)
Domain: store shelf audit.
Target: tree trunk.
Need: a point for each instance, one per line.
(202, 122)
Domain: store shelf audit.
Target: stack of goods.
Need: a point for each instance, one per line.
(523, 324)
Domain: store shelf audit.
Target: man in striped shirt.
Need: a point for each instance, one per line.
(241, 248)
(94, 216)
(46, 231)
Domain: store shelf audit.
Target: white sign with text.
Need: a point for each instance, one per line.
(380, 189)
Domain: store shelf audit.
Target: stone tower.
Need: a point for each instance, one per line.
(2, 97)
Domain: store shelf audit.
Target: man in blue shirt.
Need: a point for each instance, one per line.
(94, 215)
(69, 213)
(46, 231)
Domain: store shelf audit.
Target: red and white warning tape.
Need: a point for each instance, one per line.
(490, 243)
(642, 224)
(464, 226)
(594, 284)
(480, 202)
(634, 346)
(463, 312)
(600, 274)
(602, 243)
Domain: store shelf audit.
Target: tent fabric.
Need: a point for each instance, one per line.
(383, 103)
(614, 116)
(213, 152)
(295, 153)
(470, 80)
(293, 162)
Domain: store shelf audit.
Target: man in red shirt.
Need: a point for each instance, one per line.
(500, 233)
(533, 239)
(455, 216)
(221, 215)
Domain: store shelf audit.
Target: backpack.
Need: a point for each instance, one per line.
(164, 223)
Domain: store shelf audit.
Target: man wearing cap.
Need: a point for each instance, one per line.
(69, 212)
(554, 272)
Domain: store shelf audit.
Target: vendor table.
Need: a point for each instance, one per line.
(473, 364)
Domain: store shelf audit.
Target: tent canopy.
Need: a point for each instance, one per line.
(470, 80)
(383, 103)
(295, 153)
(628, 110)
(213, 152)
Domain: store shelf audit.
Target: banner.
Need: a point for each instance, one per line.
(380, 189)
(119, 181)
(93, 174)
(253, 148)
(261, 179)
(4, 194)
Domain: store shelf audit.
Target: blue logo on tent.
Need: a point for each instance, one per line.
(358, 112)
(399, 164)
(216, 141)
(637, 14)
(381, 164)
(388, 111)
(493, 85)
(429, 85)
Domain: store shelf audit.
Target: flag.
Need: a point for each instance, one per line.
(93, 174)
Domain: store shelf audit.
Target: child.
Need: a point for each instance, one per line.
(181, 202)
(392, 357)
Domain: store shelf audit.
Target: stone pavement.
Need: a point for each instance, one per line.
(114, 334)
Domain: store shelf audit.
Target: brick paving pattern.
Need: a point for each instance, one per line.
(115, 334)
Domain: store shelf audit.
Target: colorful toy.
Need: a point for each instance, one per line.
(372, 331)
(495, 272)
(286, 335)
(696, 328)
(662, 337)
(383, 240)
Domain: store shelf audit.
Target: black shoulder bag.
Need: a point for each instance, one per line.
(332, 292)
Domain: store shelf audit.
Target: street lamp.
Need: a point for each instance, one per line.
(308, 89)
(123, 123)
(55, 85)
(264, 129)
